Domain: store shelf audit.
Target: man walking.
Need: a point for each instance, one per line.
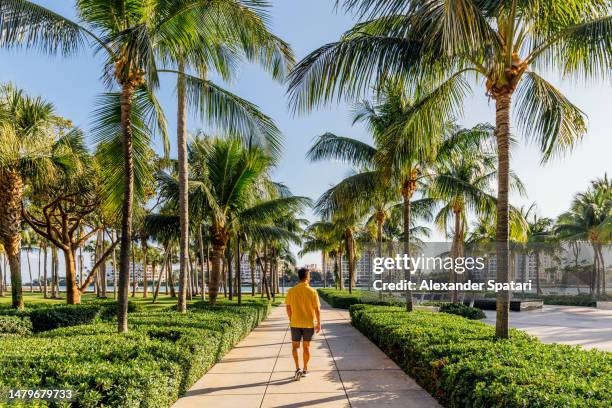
(302, 307)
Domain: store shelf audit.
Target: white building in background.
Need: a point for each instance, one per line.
(362, 268)
(138, 270)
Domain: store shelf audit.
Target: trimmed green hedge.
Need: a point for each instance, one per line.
(14, 325)
(45, 317)
(341, 299)
(163, 354)
(460, 309)
(460, 362)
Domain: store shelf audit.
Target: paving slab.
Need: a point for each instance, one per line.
(346, 370)
(585, 326)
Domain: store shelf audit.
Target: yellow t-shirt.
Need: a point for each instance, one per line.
(303, 300)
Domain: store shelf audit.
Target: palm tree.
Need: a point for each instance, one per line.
(228, 186)
(445, 41)
(234, 30)
(133, 35)
(590, 219)
(463, 181)
(33, 150)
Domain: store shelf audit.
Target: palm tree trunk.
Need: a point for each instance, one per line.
(29, 269)
(407, 209)
(45, 274)
(502, 135)
(11, 196)
(145, 250)
(230, 269)
(114, 261)
(350, 258)
(340, 273)
(39, 269)
(102, 268)
(379, 232)
(324, 267)
(134, 278)
(238, 272)
(252, 266)
(127, 93)
(202, 260)
(183, 186)
(218, 253)
(2, 269)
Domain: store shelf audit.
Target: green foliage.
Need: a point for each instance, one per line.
(151, 366)
(50, 318)
(341, 299)
(13, 325)
(462, 310)
(462, 364)
(585, 300)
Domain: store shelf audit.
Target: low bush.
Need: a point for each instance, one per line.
(462, 364)
(341, 299)
(585, 300)
(163, 354)
(460, 309)
(14, 325)
(53, 317)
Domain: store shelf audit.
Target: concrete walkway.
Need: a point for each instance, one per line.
(345, 370)
(585, 326)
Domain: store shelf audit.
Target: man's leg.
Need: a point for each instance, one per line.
(295, 346)
(306, 345)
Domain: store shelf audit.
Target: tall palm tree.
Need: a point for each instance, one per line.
(590, 220)
(446, 41)
(234, 29)
(463, 182)
(33, 150)
(133, 35)
(227, 180)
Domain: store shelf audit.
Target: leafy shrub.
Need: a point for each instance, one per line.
(13, 325)
(462, 310)
(53, 317)
(151, 366)
(343, 300)
(462, 364)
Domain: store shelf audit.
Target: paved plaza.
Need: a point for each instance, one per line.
(586, 326)
(346, 370)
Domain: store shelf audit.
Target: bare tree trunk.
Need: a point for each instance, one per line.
(56, 289)
(127, 93)
(502, 135)
(39, 269)
(252, 266)
(73, 295)
(171, 275)
(30, 269)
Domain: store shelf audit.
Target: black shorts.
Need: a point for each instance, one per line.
(297, 333)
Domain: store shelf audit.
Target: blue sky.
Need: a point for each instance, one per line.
(73, 83)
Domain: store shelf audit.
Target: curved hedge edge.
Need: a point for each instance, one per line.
(462, 364)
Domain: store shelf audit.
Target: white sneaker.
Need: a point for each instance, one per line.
(304, 373)
(298, 375)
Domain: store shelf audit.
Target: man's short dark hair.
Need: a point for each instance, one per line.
(303, 273)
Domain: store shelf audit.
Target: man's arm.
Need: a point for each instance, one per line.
(289, 312)
(318, 315)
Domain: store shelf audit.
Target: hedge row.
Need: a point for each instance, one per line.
(45, 317)
(460, 362)
(583, 299)
(151, 366)
(341, 299)
(460, 309)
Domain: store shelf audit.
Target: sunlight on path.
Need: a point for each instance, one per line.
(585, 326)
(345, 370)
